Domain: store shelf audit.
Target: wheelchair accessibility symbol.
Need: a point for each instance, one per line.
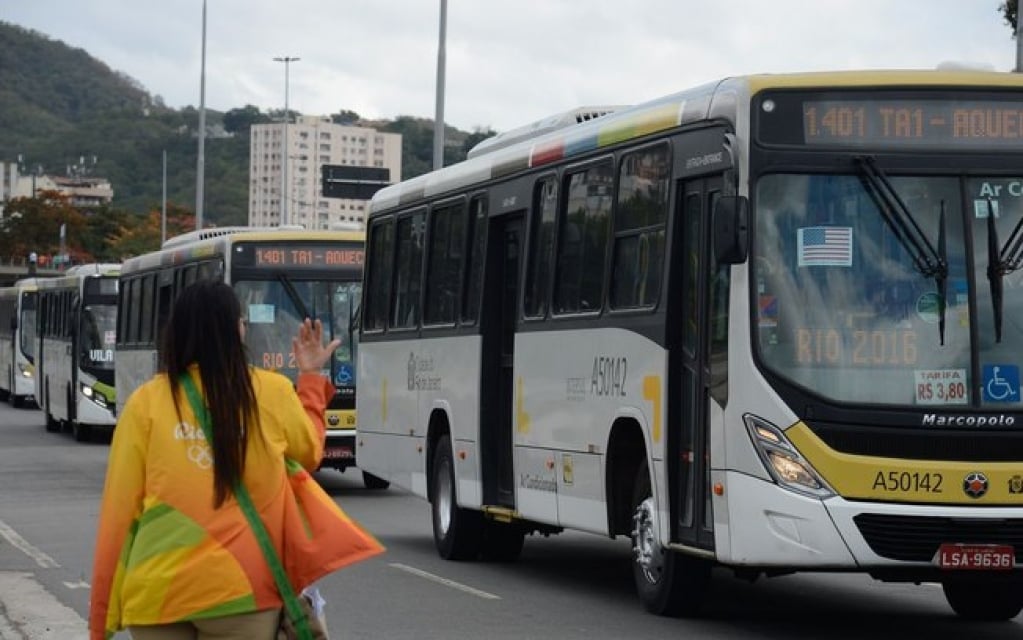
(1001, 383)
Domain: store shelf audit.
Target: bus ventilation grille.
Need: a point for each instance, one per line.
(917, 538)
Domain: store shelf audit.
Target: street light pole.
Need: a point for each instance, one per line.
(438, 119)
(287, 60)
(200, 170)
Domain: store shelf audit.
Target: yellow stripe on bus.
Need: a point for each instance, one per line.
(908, 480)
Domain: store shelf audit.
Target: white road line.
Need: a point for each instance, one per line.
(444, 581)
(81, 584)
(43, 560)
(31, 612)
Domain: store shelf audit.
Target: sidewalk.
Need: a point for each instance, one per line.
(30, 612)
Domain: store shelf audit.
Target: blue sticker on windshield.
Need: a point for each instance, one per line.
(344, 376)
(1001, 383)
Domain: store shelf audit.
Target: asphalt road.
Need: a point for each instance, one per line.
(569, 586)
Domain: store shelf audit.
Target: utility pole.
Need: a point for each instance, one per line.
(287, 60)
(1019, 45)
(201, 163)
(438, 118)
(163, 206)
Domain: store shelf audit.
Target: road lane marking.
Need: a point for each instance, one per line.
(81, 584)
(33, 612)
(43, 560)
(444, 581)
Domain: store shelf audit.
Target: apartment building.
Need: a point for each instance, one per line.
(313, 142)
(84, 191)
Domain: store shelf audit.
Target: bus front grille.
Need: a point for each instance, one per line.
(917, 538)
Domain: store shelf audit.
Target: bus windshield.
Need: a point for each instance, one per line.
(273, 316)
(27, 325)
(845, 310)
(96, 344)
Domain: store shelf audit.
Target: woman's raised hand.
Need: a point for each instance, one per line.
(310, 353)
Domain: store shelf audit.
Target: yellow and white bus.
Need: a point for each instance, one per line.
(18, 342)
(768, 324)
(75, 365)
(281, 275)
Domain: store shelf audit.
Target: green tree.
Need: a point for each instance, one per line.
(345, 117)
(34, 225)
(1010, 11)
(144, 237)
(240, 120)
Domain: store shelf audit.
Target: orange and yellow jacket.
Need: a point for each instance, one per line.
(163, 552)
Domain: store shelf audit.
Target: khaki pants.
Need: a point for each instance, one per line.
(259, 625)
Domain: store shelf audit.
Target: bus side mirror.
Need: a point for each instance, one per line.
(731, 229)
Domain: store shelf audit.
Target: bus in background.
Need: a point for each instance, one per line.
(281, 275)
(767, 324)
(18, 342)
(76, 327)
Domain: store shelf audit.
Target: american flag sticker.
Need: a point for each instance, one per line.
(825, 247)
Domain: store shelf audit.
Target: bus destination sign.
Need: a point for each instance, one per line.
(928, 122)
(295, 255)
(923, 123)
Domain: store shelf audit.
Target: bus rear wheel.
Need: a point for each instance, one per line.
(668, 583)
(985, 600)
(456, 532)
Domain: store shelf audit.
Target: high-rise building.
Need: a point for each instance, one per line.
(313, 142)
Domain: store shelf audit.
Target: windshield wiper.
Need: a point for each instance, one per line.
(296, 299)
(929, 261)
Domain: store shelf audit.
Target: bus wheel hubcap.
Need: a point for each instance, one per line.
(647, 551)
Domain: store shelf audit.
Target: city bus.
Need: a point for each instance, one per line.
(76, 324)
(17, 342)
(281, 275)
(768, 324)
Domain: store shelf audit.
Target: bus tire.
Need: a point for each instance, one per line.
(373, 482)
(990, 600)
(668, 583)
(456, 531)
(82, 432)
(502, 541)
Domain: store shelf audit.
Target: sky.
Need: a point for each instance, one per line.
(507, 62)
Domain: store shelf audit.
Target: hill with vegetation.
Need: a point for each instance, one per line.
(63, 111)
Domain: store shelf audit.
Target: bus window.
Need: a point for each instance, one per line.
(582, 243)
(408, 271)
(381, 252)
(640, 217)
(474, 276)
(447, 239)
(541, 247)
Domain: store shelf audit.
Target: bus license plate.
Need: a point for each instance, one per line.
(338, 452)
(987, 557)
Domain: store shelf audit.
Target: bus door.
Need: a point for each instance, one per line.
(499, 315)
(692, 361)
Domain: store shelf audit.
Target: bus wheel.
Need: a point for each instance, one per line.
(668, 583)
(502, 541)
(373, 482)
(82, 432)
(456, 532)
(986, 600)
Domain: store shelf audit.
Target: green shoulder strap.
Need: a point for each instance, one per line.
(291, 604)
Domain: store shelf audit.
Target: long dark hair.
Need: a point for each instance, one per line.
(203, 329)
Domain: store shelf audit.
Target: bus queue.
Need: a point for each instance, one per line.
(763, 325)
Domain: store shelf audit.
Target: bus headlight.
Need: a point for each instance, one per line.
(25, 369)
(785, 464)
(93, 395)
